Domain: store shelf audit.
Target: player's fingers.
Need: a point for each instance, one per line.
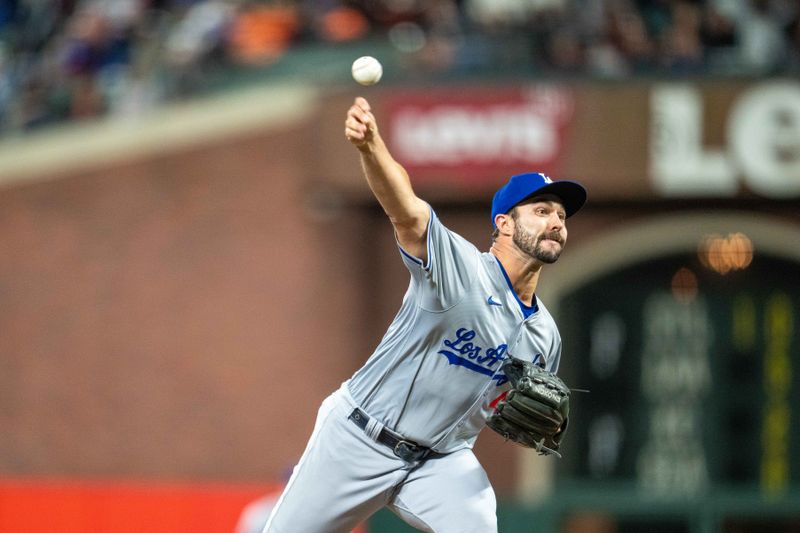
(353, 133)
(363, 104)
(354, 136)
(358, 115)
(361, 112)
(355, 124)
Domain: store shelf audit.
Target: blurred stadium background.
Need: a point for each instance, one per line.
(190, 262)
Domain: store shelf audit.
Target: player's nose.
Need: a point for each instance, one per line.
(555, 221)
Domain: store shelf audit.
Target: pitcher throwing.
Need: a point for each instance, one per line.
(470, 343)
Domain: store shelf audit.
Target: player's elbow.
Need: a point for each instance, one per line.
(412, 220)
(410, 229)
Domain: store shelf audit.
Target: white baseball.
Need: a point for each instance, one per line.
(367, 70)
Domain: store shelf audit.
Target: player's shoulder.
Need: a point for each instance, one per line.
(543, 308)
(544, 313)
(438, 228)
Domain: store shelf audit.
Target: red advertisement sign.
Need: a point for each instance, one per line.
(478, 136)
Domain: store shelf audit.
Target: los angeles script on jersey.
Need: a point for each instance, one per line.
(462, 352)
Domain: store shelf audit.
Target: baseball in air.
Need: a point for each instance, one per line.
(367, 70)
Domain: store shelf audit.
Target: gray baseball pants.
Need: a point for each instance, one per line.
(344, 476)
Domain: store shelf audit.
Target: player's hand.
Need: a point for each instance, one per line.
(360, 127)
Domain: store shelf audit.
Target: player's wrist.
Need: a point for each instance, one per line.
(371, 146)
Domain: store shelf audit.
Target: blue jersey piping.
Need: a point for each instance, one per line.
(527, 310)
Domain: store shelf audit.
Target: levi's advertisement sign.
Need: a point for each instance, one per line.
(478, 135)
(761, 141)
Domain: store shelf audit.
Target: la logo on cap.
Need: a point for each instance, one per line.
(522, 186)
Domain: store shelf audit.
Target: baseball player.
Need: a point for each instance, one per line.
(399, 433)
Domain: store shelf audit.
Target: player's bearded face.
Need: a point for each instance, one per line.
(544, 246)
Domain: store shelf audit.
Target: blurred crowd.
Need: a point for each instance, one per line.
(71, 59)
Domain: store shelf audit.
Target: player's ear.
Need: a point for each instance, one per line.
(504, 223)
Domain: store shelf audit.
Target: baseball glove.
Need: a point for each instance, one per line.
(535, 411)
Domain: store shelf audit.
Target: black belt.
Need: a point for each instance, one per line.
(406, 450)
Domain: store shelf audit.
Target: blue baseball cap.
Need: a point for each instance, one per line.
(523, 186)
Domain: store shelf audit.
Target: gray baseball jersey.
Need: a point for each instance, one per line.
(434, 377)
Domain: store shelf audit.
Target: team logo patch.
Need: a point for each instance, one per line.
(460, 351)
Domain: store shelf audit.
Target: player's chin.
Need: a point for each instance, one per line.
(548, 251)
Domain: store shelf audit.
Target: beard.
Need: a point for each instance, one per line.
(532, 245)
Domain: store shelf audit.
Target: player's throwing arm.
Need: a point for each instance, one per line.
(388, 179)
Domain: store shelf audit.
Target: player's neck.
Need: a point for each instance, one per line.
(522, 271)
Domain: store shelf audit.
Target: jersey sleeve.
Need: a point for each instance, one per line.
(555, 358)
(451, 265)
